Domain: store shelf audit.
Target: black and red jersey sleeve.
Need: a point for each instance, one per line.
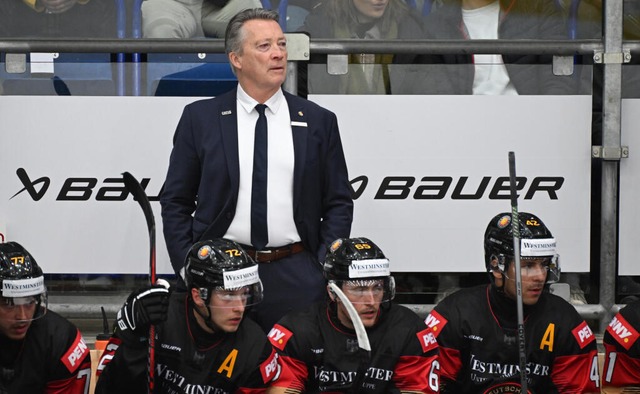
(73, 374)
(448, 339)
(294, 371)
(622, 348)
(418, 368)
(576, 371)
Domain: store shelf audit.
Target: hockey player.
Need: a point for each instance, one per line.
(319, 349)
(476, 327)
(40, 351)
(203, 343)
(622, 347)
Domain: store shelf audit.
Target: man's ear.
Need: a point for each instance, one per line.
(496, 268)
(234, 59)
(195, 294)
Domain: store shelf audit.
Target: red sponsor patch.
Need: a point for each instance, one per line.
(622, 331)
(427, 340)
(72, 359)
(435, 322)
(270, 368)
(279, 336)
(583, 335)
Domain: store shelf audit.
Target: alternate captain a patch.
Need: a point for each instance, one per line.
(279, 336)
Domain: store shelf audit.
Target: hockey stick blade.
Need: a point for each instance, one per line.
(515, 229)
(361, 334)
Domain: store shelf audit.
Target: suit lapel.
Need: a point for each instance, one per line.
(229, 130)
(300, 130)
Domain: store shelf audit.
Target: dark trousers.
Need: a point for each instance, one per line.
(290, 284)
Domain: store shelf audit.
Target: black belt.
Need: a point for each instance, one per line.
(272, 254)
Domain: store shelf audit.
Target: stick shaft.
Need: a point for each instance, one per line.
(515, 229)
(138, 193)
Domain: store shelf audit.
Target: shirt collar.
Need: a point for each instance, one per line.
(249, 103)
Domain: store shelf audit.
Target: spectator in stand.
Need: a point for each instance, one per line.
(190, 18)
(58, 18)
(491, 74)
(362, 19)
(40, 351)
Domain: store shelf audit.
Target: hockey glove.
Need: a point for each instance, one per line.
(143, 308)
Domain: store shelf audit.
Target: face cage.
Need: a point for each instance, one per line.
(553, 270)
(252, 295)
(388, 287)
(41, 302)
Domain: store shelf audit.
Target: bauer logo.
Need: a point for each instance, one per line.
(76, 189)
(455, 188)
(387, 188)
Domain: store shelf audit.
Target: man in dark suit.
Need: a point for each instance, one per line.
(209, 188)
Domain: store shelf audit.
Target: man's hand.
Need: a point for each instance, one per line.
(56, 6)
(143, 308)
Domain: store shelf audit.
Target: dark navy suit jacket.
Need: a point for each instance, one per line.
(201, 189)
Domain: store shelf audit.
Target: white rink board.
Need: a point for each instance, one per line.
(629, 244)
(384, 136)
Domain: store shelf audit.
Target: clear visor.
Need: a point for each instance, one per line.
(534, 266)
(24, 308)
(236, 297)
(363, 291)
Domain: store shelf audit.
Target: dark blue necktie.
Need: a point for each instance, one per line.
(259, 234)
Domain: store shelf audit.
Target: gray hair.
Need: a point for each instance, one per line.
(234, 37)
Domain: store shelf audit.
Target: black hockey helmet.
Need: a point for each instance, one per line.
(358, 260)
(222, 264)
(536, 241)
(21, 278)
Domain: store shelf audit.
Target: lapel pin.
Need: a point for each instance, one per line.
(228, 112)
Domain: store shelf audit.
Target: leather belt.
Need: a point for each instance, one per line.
(272, 254)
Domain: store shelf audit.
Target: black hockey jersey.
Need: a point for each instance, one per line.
(476, 329)
(318, 354)
(53, 358)
(239, 362)
(622, 358)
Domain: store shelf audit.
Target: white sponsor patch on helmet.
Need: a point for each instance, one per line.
(369, 268)
(538, 247)
(242, 277)
(23, 287)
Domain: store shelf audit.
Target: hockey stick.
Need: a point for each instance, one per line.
(515, 229)
(361, 334)
(138, 193)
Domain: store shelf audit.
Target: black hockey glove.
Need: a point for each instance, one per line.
(144, 307)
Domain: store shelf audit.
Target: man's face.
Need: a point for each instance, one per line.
(227, 308)
(534, 274)
(366, 297)
(261, 66)
(370, 9)
(16, 315)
